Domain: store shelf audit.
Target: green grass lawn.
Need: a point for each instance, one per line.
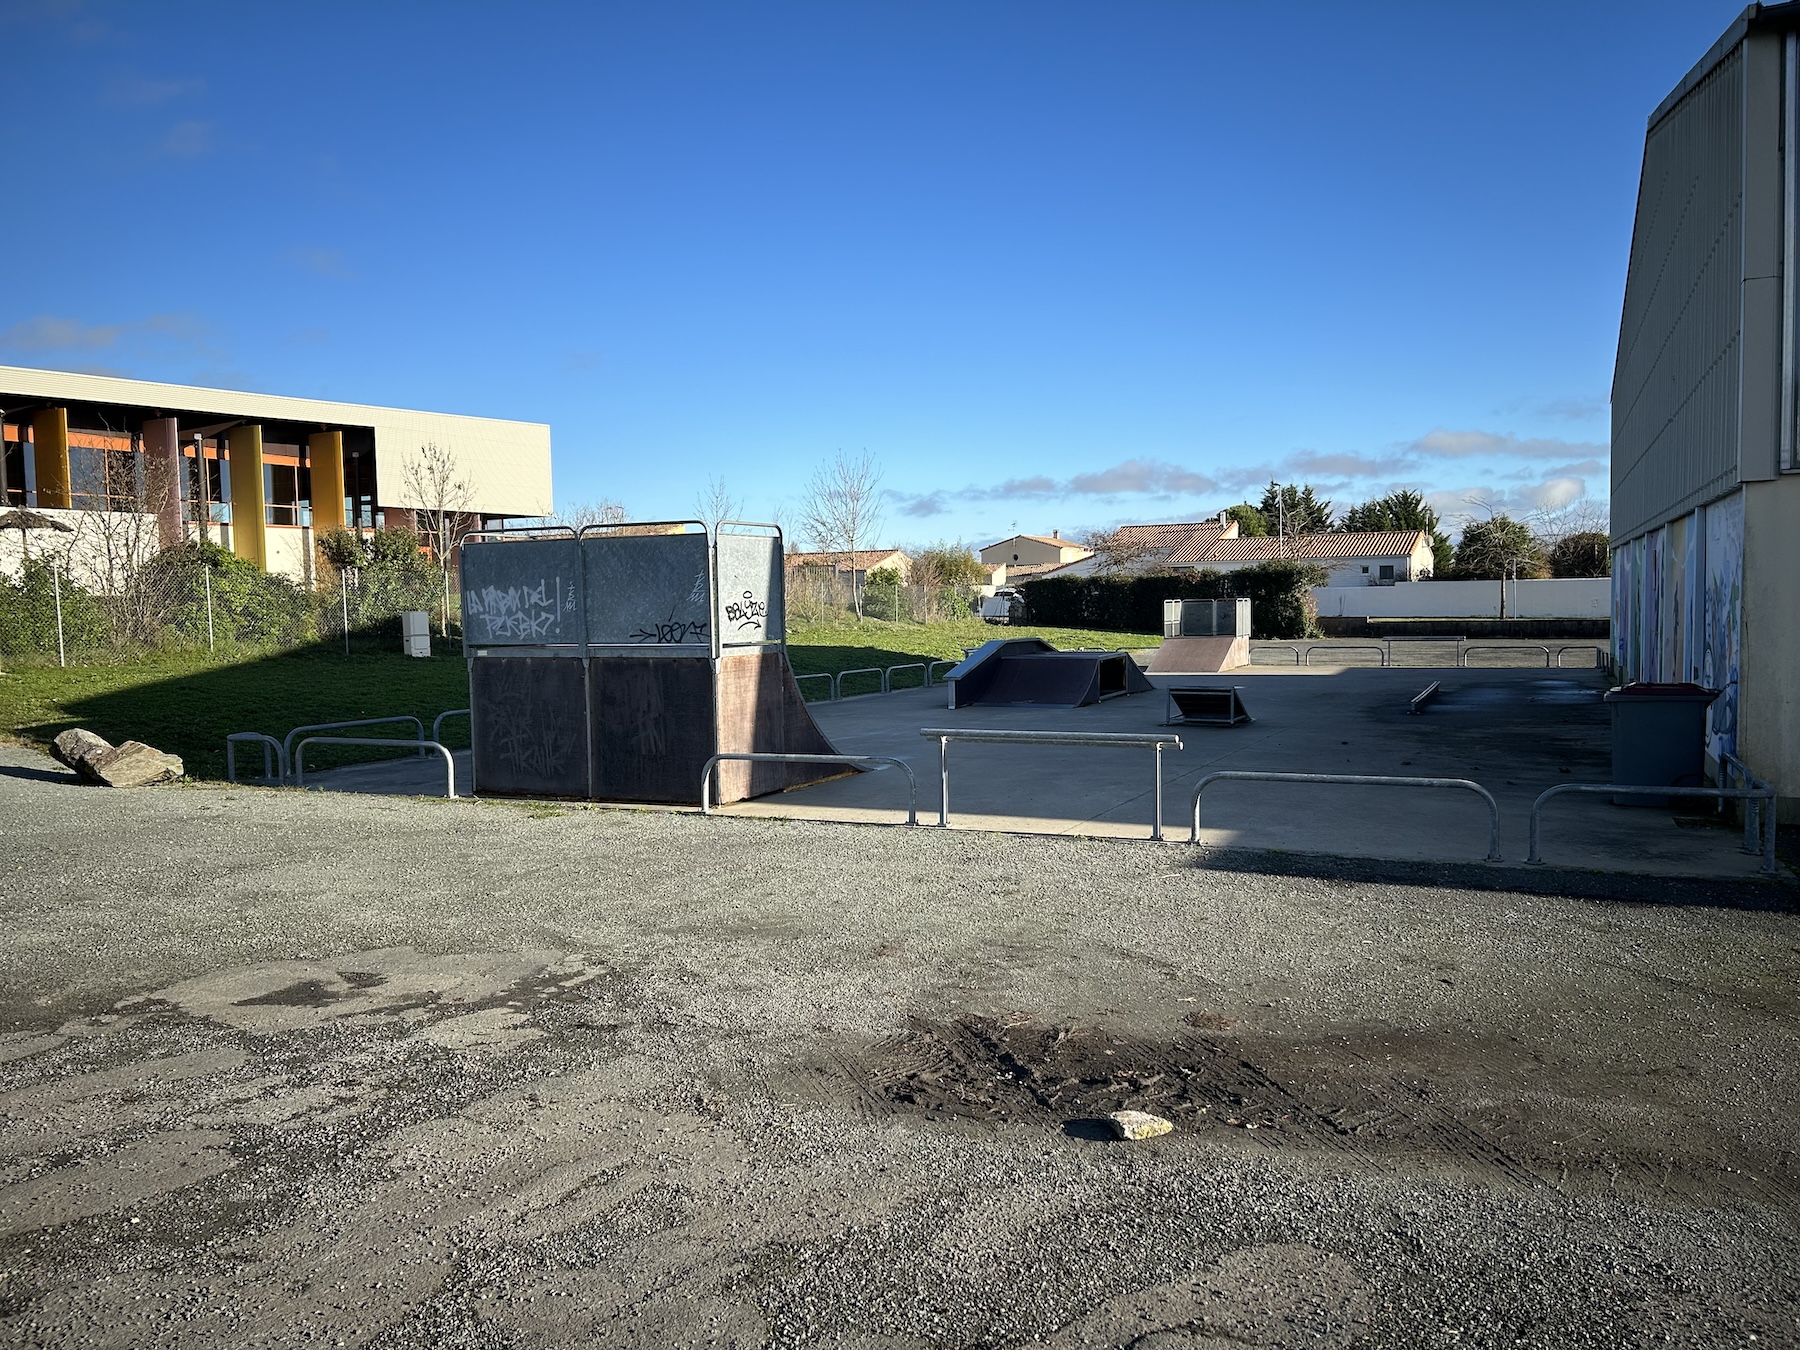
(186, 703)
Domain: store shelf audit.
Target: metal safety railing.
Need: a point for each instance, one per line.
(830, 685)
(437, 723)
(287, 743)
(1116, 740)
(1765, 793)
(1462, 656)
(1350, 647)
(931, 670)
(759, 757)
(1292, 651)
(275, 760)
(420, 745)
(1599, 656)
(887, 676)
(837, 684)
(1356, 780)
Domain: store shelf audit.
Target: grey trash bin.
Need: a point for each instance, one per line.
(1659, 737)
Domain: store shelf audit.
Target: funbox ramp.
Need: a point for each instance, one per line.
(1199, 655)
(611, 666)
(1031, 671)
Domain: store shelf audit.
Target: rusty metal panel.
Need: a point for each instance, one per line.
(1675, 410)
(761, 710)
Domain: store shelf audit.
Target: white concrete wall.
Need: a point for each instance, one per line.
(1566, 598)
(84, 551)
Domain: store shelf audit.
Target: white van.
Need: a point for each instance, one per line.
(1005, 605)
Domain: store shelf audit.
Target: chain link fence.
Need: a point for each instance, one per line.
(820, 595)
(200, 597)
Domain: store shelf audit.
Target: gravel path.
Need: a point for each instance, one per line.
(305, 1069)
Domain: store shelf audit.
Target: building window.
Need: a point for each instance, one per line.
(1387, 571)
(12, 472)
(287, 494)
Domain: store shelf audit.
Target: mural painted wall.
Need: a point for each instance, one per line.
(1723, 618)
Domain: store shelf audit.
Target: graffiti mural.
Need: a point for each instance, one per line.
(1722, 619)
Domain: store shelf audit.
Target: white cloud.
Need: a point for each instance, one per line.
(189, 140)
(1442, 443)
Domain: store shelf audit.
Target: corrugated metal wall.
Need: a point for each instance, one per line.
(1675, 387)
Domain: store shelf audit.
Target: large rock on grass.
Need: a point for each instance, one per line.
(75, 747)
(132, 764)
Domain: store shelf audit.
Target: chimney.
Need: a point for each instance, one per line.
(1056, 534)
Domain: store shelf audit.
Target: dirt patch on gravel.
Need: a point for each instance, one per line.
(1381, 1101)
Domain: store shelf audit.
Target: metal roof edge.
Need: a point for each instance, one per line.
(1781, 17)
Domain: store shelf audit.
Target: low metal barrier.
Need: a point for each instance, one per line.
(287, 742)
(1599, 659)
(1117, 740)
(912, 783)
(837, 686)
(1350, 647)
(931, 670)
(437, 723)
(1765, 793)
(887, 676)
(1424, 696)
(1729, 766)
(1294, 651)
(1462, 657)
(270, 746)
(420, 745)
(830, 686)
(1363, 780)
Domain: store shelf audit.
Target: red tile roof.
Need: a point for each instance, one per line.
(1312, 547)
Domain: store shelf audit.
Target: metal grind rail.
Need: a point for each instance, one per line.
(1114, 740)
(1764, 793)
(1424, 696)
(420, 745)
(1359, 780)
(274, 755)
(287, 743)
(761, 757)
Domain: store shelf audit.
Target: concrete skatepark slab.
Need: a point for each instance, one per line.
(1516, 732)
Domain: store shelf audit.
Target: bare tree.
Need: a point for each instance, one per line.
(440, 497)
(842, 511)
(1553, 524)
(1126, 549)
(714, 503)
(580, 515)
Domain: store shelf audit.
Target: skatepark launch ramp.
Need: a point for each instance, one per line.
(1030, 670)
(611, 663)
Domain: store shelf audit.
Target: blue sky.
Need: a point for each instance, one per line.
(1054, 266)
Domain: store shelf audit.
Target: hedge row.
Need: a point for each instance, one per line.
(1280, 595)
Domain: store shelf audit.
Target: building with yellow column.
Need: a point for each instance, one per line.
(277, 472)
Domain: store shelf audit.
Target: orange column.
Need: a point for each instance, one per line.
(50, 457)
(325, 462)
(249, 516)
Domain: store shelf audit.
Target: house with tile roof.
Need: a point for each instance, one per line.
(1349, 558)
(1030, 555)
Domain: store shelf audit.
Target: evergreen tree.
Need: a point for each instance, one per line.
(1496, 549)
(1292, 510)
(1403, 509)
(1252, 524)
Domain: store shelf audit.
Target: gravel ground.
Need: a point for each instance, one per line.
(304, 1069)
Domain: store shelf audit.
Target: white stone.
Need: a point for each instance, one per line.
(1138, 1124)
